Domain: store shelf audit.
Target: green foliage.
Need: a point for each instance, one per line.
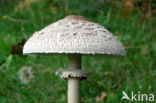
(136, 72)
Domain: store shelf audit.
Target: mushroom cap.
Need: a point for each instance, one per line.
(74, 34)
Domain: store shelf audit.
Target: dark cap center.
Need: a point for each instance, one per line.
(75, 17)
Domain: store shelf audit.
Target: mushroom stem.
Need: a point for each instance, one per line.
(74, 83)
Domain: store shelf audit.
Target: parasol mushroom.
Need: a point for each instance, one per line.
(74, 36)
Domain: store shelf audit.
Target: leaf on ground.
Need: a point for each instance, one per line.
(24, 4)
(146, 9)
(144, 51)
(18, 48)
(53, 8)
(101, 98)
(128, 7)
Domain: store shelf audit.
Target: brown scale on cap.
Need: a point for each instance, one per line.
(75, 17)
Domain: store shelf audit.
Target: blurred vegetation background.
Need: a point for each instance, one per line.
(31, 79)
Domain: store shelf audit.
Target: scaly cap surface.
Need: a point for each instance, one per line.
(74, 34)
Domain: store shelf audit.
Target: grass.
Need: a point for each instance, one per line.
(135, 72)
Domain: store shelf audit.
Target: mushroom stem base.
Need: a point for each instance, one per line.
(74, 83)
